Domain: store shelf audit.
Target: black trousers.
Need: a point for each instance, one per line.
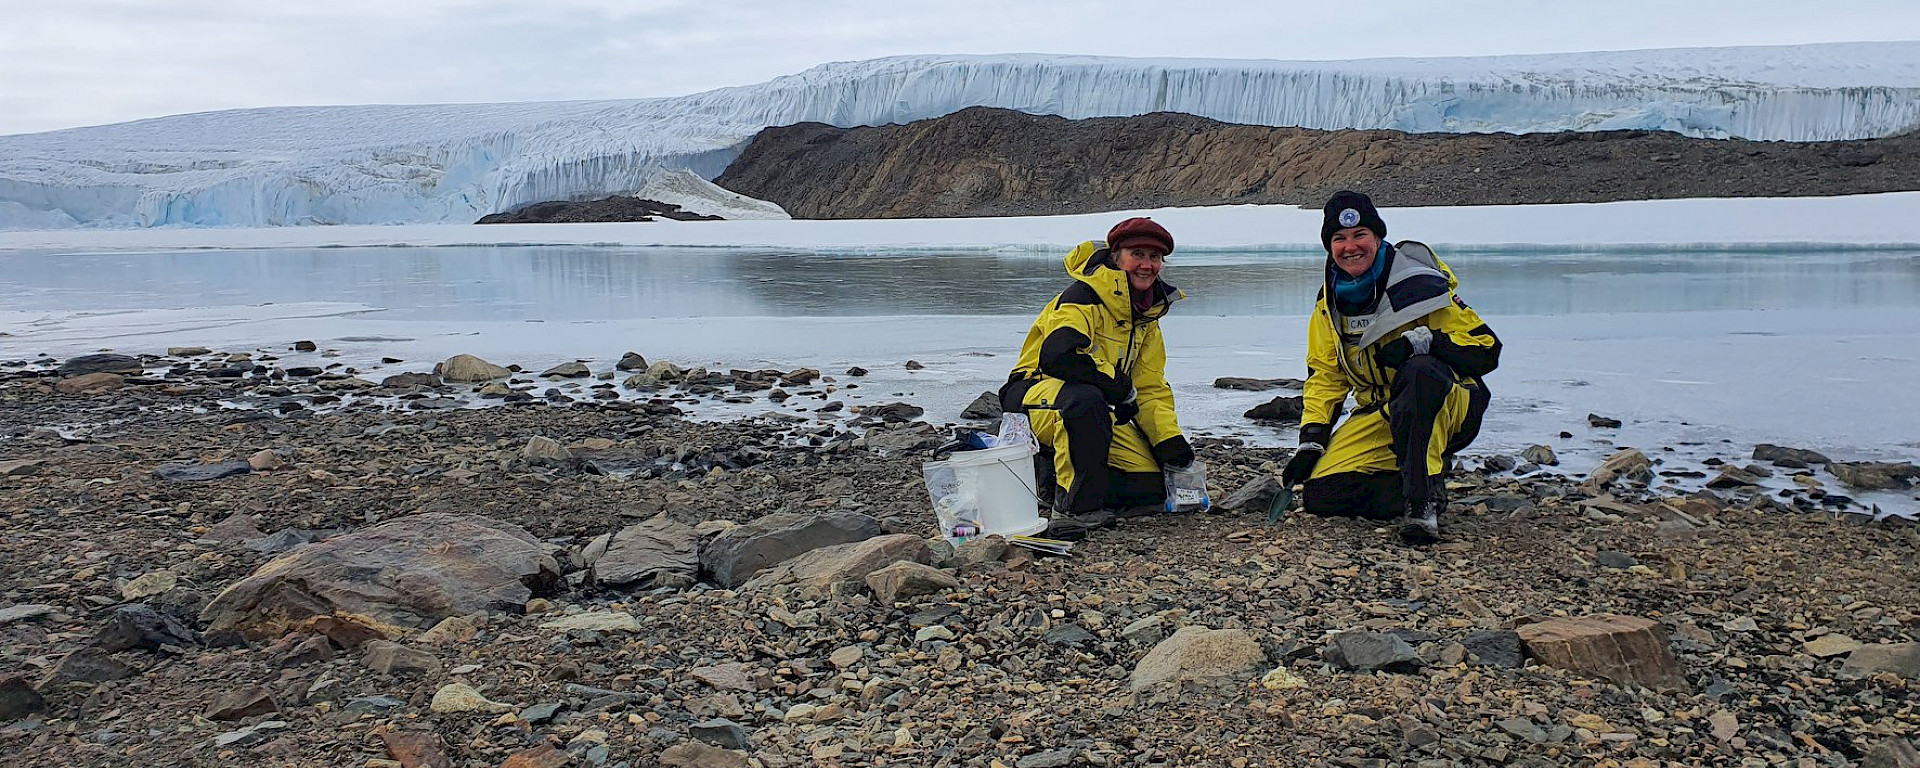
(1419, 390)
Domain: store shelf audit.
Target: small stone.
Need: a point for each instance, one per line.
(914, 365)
(18, 698)
(572, 370)
(460, 697)
(721, 732)
(846, 657)
(88, 665)
(265, 461)
(907, 579)
(1496, 647)
(244, 703)
(452, 629)
(305, 346)
(415, 749)
(1725, 725)
(543, 756)
(980, 550)
(856, 371)
(148, 585)
(1541, 455)
(390, 658)
(546, 451)
(373, 705)
(1056, 758)
(1282, 409)
(467, 368)
(1628, 464)
(699, 754)
(1608, 558)
(1282, 679)
(1601, 422)
(597, 621)
(1198, 654)
(193, 473)
(1895, 752)
(13, 613)
(1899, 659)
(1370, 651)
(1832, 645)
(139, 626)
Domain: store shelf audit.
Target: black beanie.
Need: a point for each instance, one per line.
(1349, 209)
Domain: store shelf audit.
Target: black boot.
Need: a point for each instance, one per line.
(1421, 523)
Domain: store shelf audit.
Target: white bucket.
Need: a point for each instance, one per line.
(1000, 480)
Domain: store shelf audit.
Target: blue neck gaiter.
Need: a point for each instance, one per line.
(1357, 292)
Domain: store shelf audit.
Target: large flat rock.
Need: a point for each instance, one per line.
(642, 553)
(1622, 649)
(410, 573)
(841, 569)
(737, 554)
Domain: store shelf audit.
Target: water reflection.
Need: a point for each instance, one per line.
(574, 283)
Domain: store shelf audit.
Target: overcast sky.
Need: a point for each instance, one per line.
(66, 63)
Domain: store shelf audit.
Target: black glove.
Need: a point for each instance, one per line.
(1301, 467)
(1418, 340)
(1125, 412)
(1174, 453)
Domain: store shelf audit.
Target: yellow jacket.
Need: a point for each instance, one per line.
(1092, 334)
(1417, 289)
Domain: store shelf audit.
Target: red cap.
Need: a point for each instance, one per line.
(1139, 232)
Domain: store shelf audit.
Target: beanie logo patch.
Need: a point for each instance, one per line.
(1349, 218)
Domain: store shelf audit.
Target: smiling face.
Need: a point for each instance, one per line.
(1141, 264)
(1354, 249)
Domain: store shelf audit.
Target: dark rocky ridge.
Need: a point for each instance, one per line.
(996, 162)
(604, 209)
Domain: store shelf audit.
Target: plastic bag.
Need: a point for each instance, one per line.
(1015, 430)
(1187, 489)
(954, 508)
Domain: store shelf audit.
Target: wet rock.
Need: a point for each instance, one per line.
(908, 579)
(631, 361)
(914, 365)
(241, 704)
(90, 383)
(188, 351)
(840, 569)
(460, 697)
(18, 698)
(721, 732)
(410, 572)
(1198, 654)
(894, 413)
(139, 626)
(735, 555)
(305, 346)
(390, 658)
(1875, 476)
(193, 473)
(640, 553)
(1286, 410)
(1788, 457)
(986, 406)
(699, 754)
(1256, 385)
(104, 362)
(1733, 477)
(546, 451)
(1627, 465)
(1495, 647)
(467, 368)
(1541, 455)
(405, 380)
(1899, 659)
(1601, 422)
(1255, 496)
(1622, 649)
(572, 370)
(1371, 651)
(88, 665)
(856, 371)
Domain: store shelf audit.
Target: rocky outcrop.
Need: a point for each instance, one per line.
(604, 209)
(996, 162)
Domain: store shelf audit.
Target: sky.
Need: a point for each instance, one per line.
(90, 62)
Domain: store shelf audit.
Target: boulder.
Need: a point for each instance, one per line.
(721, 732)
(1371, 651)
(139, 626)
(572, 370)
(410, 572)
(735, 555)
(1495, 647)
(1622, 649)
(1282, 409)
(918, 436)
(799, 377)
(640, 553)
(894, 413)
(840, 569)
(1795, 458)
(87, 665)
(1602, 422)
(908, 579)
(102, 363)
(188, 351)
(1256, 495)
(986, 406)
(1541, 455)
(1198, 654)
(631, 361)
(404, 380)
(468, 368)
(981, 550)
(1626, 465)
(90, 383)
(546, 451)
(1898, 659)
(1875, 475)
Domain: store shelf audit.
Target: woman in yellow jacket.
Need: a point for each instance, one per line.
(1388, 329)
(1091, 377)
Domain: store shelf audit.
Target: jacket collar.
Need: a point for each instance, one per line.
(1092, 263)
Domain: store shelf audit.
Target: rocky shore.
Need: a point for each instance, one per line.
(583, 576)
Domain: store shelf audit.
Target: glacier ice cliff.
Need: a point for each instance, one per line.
(455, 163)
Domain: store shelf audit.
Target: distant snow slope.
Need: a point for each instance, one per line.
(456, 162)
